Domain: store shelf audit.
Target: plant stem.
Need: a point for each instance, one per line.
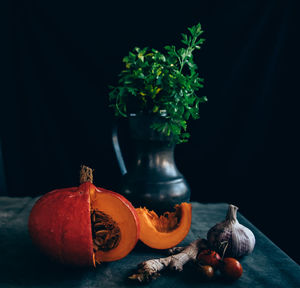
(86, 174)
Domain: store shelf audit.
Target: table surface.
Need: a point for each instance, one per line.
(22, 265)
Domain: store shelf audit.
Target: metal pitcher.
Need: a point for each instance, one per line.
(152, 178)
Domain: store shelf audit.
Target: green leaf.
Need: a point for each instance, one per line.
(185, 135)
(187, 115)
(126, 59)
(155, 109)
(131, 55)
(203, 99)
(191, 29)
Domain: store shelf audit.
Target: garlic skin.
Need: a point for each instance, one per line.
(237, 239)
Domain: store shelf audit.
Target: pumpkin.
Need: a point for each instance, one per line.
(85, 225)
(167, 230)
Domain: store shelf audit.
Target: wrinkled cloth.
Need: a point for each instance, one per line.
(21, 265)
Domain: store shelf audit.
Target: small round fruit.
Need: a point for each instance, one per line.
(209, 257)
(231, 268)
(206, 271)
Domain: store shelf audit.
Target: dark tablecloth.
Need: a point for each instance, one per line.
(21, 265)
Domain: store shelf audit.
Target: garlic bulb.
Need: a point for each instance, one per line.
(230, 237)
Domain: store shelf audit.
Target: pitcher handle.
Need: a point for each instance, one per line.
(116, 146)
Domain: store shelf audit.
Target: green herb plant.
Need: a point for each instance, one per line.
(163, 84)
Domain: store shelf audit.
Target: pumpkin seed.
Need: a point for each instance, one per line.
(106, 232)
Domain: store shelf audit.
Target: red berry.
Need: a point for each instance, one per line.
(206, 272)
(209, 257)
(231, 268)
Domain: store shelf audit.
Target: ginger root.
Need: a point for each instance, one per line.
(150, 270)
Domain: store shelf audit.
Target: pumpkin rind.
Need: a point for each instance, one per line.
(60, 226)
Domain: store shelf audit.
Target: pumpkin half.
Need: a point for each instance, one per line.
(85, 225)
(167, 230)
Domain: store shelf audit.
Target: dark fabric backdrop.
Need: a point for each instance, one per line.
(60, 56)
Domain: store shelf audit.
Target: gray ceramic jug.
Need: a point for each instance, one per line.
(153, 179)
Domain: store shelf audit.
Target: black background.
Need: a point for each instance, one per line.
(60, 56)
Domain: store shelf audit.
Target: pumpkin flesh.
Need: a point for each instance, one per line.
(125, 218)
(167, 230)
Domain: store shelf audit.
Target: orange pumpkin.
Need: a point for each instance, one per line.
(167, 230)
(84, 225)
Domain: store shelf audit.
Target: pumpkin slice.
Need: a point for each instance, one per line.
(85, 225)
(167, 230)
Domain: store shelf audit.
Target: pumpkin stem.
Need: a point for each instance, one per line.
(86, 174)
